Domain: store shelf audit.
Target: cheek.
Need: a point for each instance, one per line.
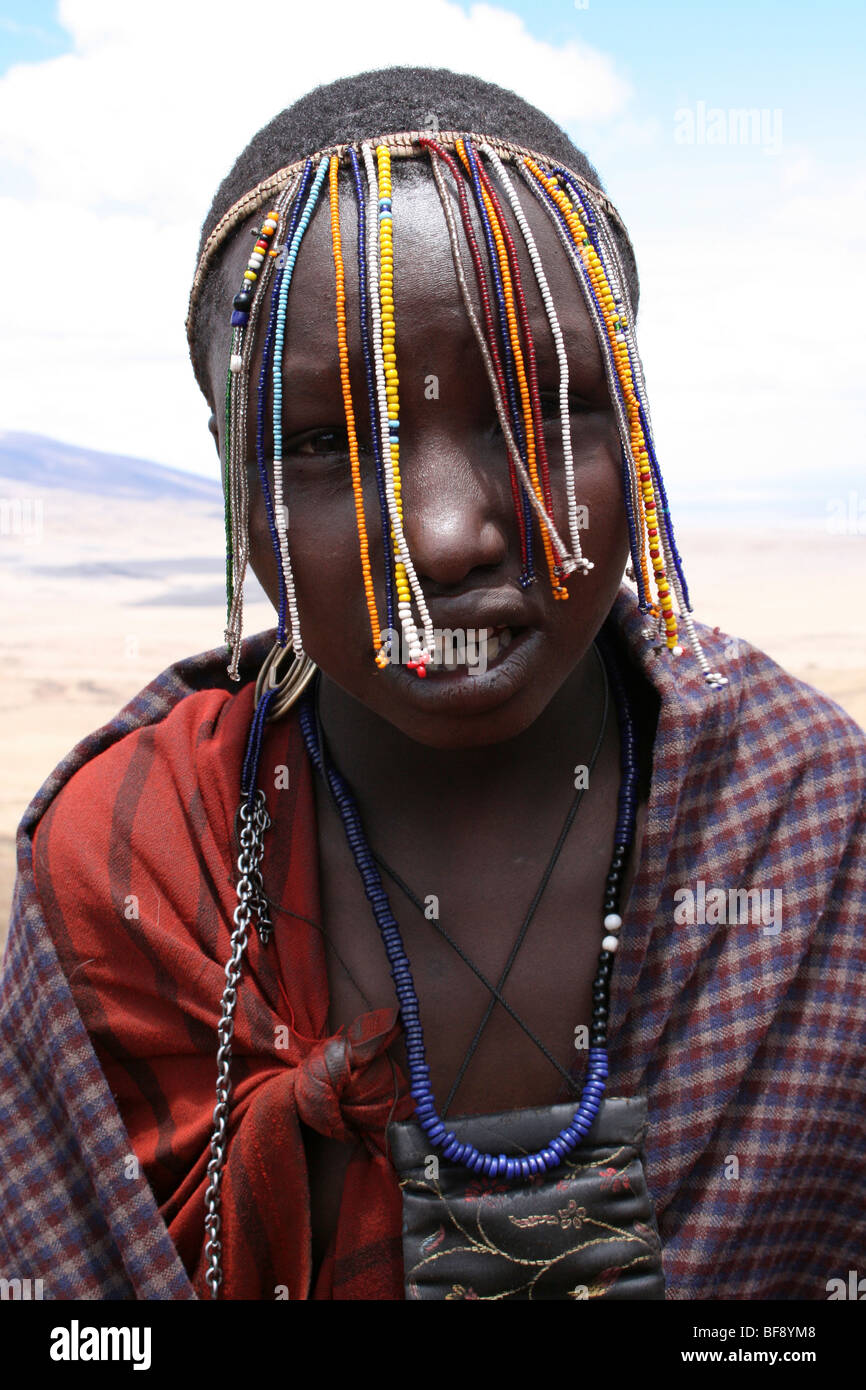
(602, 524)
(325, 556)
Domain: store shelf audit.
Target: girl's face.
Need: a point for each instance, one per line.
(458, 512)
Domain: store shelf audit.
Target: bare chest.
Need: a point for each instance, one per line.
(502, 906)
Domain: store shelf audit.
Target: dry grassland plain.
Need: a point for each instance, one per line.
(107, 593)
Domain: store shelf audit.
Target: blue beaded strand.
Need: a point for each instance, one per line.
(592, 231)
(375, 428)
(590, 220)
(644, 601)
(465, 1154)
(267, 353)
(280, 324)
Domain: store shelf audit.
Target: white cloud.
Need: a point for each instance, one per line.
(753, 286)
(751, 268)
(157, 99)
(120, 145)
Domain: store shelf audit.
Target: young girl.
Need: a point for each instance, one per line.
(479, 830)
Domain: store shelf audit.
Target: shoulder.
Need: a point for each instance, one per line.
(764, 721)
(786, 720)
(778, 772)
(150, 787)
(764, 761)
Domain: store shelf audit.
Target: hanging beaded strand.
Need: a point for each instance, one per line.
(524, 362)
(672, 556)
(486, 342)
(381, 276)
(556, 211)
(233, 393)
(520, 498)
(631, 490)
(496, 293)
(343, 349)
(614, 328)
(369, 371)
(247, 307)
(608, 292)
(277, 394)
(600, 233)
(582, 564)
(605, 245)
(301, 187)
(524, 423)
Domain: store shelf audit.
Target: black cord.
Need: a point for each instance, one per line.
(506, 970)
(495, 990)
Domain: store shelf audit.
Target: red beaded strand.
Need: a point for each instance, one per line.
(489, 330)
(532, 374)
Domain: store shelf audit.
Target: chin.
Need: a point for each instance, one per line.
(461, 708)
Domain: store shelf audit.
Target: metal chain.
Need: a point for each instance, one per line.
(251, 900)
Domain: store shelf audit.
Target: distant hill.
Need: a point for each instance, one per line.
(831, 499)
(43, 462)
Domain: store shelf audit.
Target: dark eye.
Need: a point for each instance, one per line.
(319, 444)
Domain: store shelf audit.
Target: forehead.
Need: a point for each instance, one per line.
(426, 288)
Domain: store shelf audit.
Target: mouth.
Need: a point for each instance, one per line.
(473, 652)
(491, 666)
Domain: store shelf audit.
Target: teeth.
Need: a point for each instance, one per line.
(485, 643)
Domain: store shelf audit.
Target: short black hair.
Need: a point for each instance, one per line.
(376, 103)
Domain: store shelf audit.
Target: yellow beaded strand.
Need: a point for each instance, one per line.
(649, 518)
(342, 340)
(389, 355)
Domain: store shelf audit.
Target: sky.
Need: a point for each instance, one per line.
(117, 122)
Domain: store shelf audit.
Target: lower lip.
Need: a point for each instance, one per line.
(461, 692)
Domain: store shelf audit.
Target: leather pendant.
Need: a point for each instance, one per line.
(585, 1229)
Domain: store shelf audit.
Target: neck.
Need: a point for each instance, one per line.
(386, 768)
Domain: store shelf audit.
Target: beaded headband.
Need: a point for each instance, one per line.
(583, 218)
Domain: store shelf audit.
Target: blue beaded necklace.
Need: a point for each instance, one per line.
(426, 1115)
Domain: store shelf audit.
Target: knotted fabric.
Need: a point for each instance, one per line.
(143, 936)
(746, 1034)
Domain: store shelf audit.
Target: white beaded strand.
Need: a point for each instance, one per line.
(280, 517)
(240, 367)
(577, 560)
(619, 284)
(511, 444)
(411, 636)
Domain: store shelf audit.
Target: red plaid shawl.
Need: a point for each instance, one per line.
(748, 1041)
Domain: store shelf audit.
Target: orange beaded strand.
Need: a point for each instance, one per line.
(604, 296)
(342, 340)
(559, 590)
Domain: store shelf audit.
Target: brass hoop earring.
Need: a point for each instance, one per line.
(290, 686)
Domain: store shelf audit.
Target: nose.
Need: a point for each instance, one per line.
(456, 503)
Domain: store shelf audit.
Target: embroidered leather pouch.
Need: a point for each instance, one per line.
(586, 1229)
